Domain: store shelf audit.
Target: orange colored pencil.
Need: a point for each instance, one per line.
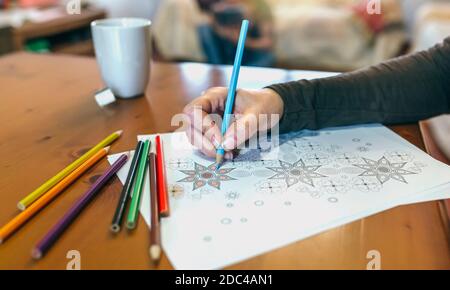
(45, 199)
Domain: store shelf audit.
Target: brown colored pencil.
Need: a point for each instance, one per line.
(155, 230)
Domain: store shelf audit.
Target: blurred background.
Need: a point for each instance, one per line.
(329, 35)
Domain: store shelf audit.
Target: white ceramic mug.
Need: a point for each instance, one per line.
(123, 51)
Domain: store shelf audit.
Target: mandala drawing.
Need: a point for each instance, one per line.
(206, 191)
(384, 170)
(265, 163)
(414, 169)
(226, 221)
(366, 184)
(202, 176)
(271, 187)
(313, 193)
(398, 156)
(289, 156)
(363, 149)
(316, 159)
(240, 174)
(179, 163)
(295, 173)
(262, 173)
(347, 158)
(333, 148)
(333, 185)
(309, 146)
(350, 170)
(420, 164)
(329, 171)
(333, 200)
(259, 203)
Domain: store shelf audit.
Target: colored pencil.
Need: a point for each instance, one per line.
(163, 196)
(155, 231)
(137, 190)
(38, 192)
(50, 238)
(7, 230)
(232, 89)
(126, 191)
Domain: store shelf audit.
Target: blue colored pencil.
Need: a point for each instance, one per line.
(232, 89)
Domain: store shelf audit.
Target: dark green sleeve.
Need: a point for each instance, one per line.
(406, 89)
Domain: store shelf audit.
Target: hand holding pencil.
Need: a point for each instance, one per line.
(247, 106)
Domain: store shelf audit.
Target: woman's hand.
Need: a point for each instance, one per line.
(251, 109)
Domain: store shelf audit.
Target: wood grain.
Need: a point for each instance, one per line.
(49, 117)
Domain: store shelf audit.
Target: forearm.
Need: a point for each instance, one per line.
(403, 90)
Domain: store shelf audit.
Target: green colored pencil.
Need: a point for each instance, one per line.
(137, 190)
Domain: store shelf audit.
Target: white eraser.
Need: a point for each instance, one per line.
(104, 97)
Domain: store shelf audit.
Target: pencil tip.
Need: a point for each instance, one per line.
(219, 160)
(36, 254)
(21, 206)
(107, 149)
(155, 253)
(119, 132)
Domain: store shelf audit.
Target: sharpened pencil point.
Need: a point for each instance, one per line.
(107, 149)
(119, 132)
(36, 254)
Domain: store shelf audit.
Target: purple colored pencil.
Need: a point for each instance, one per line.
(50, 238)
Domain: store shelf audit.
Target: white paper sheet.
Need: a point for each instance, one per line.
(316, 181)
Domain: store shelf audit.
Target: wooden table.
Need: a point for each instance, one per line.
(48, 117)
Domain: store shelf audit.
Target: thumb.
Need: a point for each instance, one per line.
(245, 127)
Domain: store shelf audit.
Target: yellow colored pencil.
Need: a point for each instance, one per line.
(8, 229)
(38, 192)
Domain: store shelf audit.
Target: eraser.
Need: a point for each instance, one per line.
(104, 97)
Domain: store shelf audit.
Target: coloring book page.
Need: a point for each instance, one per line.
(313, 181)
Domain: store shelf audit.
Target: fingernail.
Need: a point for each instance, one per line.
(228, 144)
(228, 156)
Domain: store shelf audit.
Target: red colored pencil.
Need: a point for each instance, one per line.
(163, 197)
